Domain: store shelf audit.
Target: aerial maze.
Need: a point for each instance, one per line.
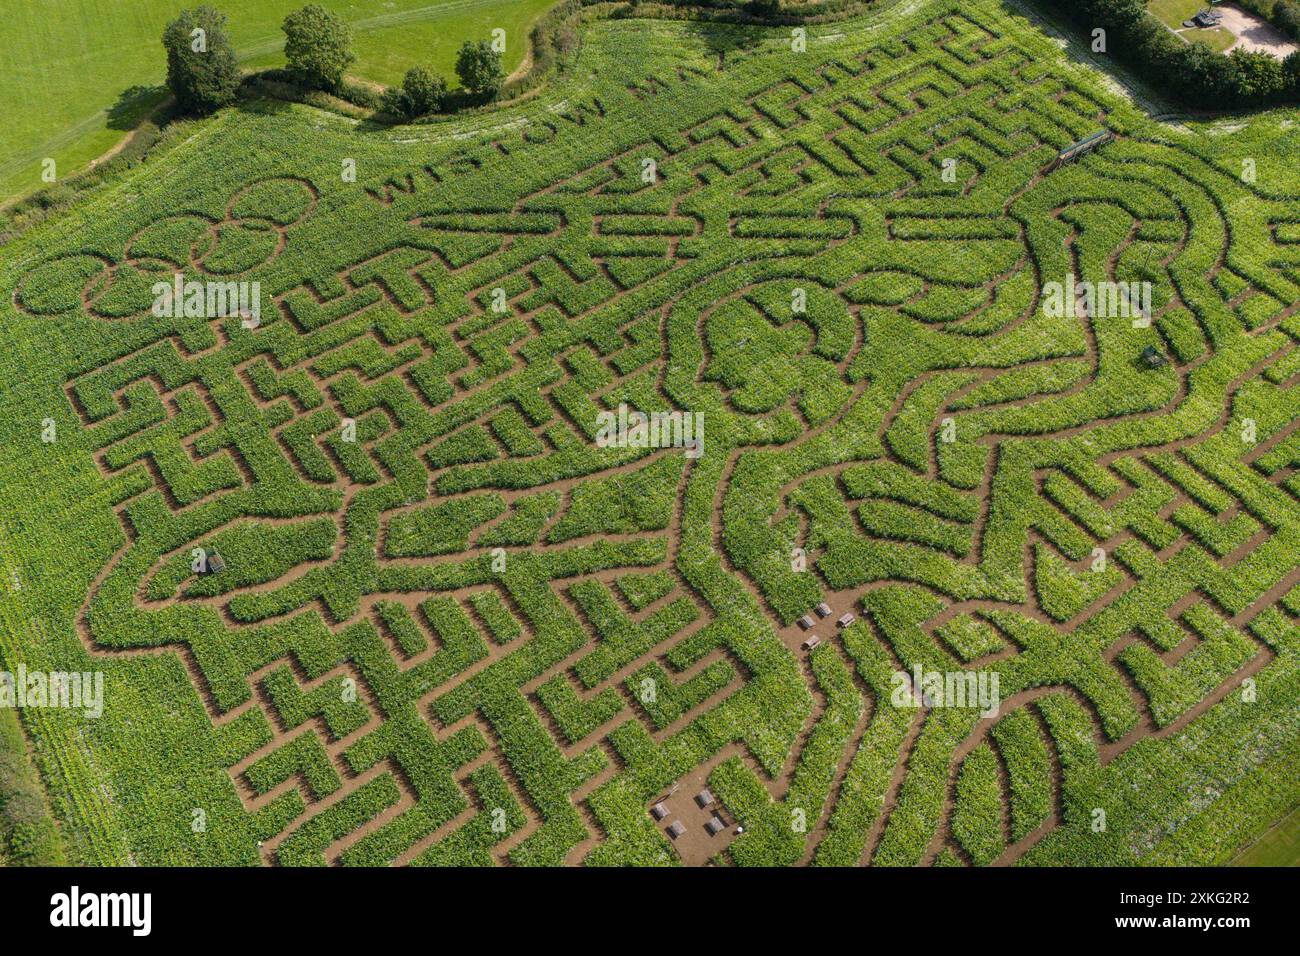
(454, 628)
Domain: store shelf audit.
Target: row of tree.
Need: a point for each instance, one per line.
(203, 72)
(422, 91)
(204, 75)
(1191, 72)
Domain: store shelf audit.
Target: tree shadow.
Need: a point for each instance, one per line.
(264, 104)
(722, 39)
(133, 105)
(379, 122)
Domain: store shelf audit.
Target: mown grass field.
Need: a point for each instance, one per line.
(1217, 39)
(66, 64)
(1280, 846)
(456, 627)
(1172, 13)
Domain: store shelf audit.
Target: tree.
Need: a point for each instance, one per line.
(317, 46)
(1291, 72)
(1286, 17)
(1202, 73)
(421, 93)
(201, 69)
(424, 92)
(1258, 75)
(479, 68)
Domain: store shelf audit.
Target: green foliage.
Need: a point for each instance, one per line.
(644, 589)
(1029, 771)
(421, 93)
(201, 70)
(479, 67)
(455, 628)
(1192, 73)
(318, 46)
(28, 836)
(977, 817)
(1259, 75)
(440, 529)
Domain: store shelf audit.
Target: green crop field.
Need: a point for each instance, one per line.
(456, 625)
(74, 74)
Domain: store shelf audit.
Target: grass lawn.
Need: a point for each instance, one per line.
(28, 835)
(1174, 12)
(1218, 39)
(65, 64)
(1280, 846)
